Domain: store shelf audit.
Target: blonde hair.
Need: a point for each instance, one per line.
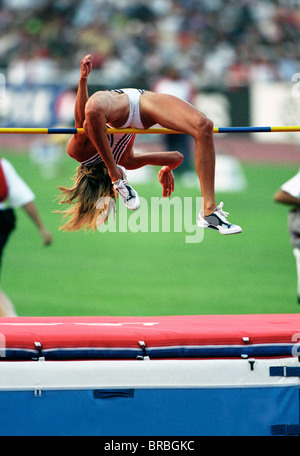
(90, 184)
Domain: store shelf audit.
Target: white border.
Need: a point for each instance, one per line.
(43, 375)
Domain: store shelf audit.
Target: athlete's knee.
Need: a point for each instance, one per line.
(203, 126)
(94, 110)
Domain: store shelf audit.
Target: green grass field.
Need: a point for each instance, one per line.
(142, 274)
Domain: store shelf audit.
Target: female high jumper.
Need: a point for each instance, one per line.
(104, 157)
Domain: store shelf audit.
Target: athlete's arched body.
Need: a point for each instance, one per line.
(139, 109)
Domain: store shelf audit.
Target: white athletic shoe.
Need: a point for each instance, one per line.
(127, 194)
(218, 221)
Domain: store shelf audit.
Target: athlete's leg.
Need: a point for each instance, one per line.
(173, 113)
(297, 257)
(6, 306)
(99, 109)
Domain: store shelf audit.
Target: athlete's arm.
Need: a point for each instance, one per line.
(170, 159)
(82, 92)
(81, 99)
(285, 198)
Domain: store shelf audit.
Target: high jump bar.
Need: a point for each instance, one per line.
(80, 131)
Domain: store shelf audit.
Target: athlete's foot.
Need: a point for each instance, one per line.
(127, 194)
(218, 221)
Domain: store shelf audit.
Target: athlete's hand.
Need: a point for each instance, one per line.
(166, 178)
(46, 236)
(86, 66)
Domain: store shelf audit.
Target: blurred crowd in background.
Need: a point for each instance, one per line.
(217, 43)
